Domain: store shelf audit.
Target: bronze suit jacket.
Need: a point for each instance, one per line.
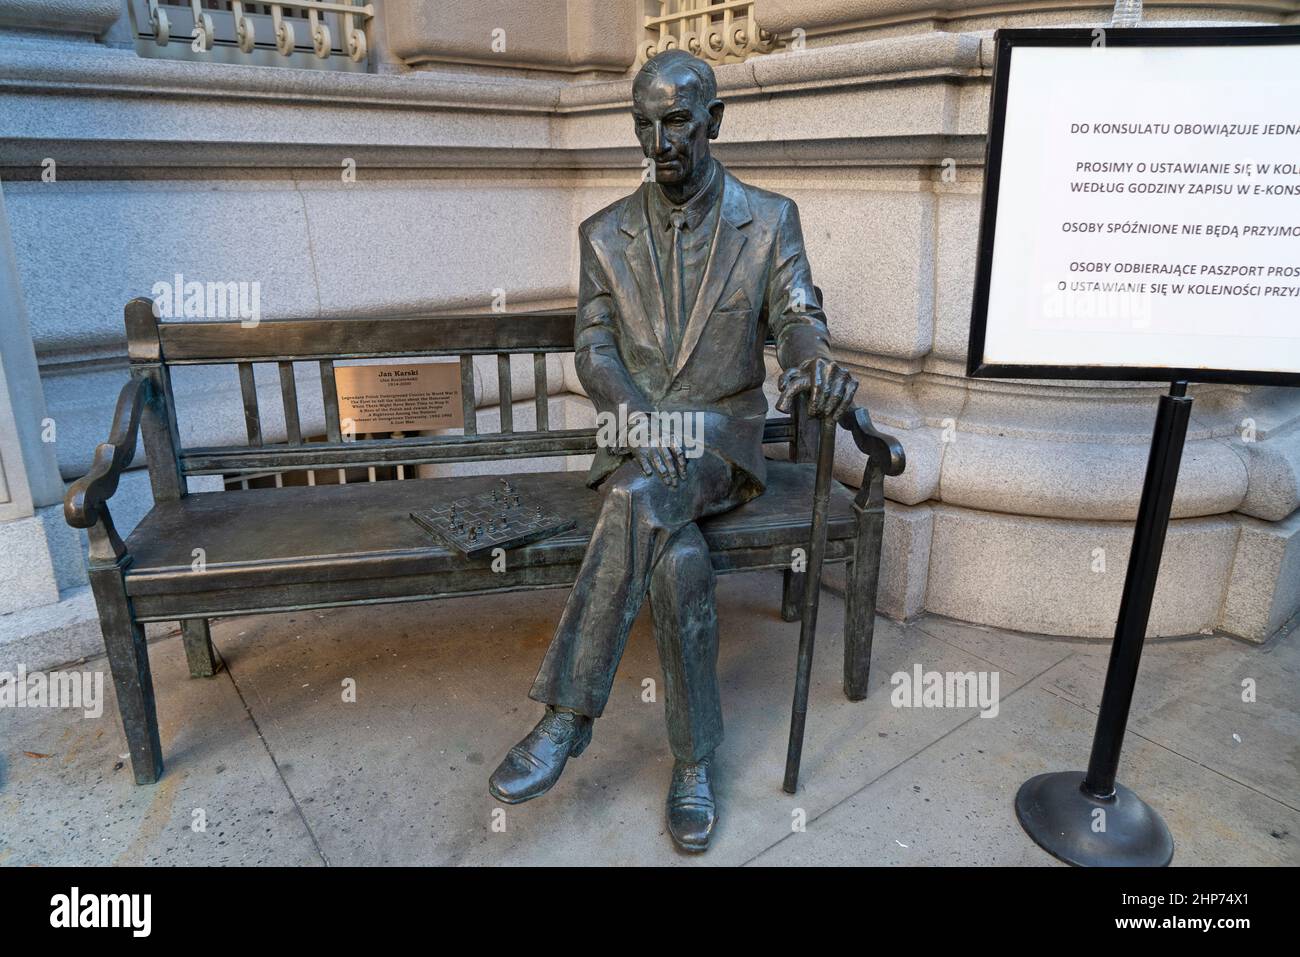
(757, 279)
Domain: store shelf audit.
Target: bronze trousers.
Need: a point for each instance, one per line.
(647, 539)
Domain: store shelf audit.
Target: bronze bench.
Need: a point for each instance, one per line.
(295, 547)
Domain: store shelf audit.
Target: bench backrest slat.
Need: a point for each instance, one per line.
(506, 392)
(410, 451)
(185, 342)
(468, 405)
(289, 393)
(541, 394)
(330, 396)
(248, 389)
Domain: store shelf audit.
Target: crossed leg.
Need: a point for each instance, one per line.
(646, 539)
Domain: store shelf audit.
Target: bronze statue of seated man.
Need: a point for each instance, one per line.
(680, 283)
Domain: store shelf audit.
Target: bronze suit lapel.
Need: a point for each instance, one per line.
(728, 242)
(644, 265)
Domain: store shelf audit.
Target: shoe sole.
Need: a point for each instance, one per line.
(513, 800)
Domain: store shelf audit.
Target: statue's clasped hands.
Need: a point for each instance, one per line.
(829, 386)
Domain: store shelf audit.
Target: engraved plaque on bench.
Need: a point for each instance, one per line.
(398, 398)
(506, 517)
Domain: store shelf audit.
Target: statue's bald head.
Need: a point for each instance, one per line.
(677, 111)
(680, 68)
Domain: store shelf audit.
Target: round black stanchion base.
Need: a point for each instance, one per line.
(1061, 817)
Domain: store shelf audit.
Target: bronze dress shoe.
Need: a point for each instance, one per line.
(533, 765)
(692, 812)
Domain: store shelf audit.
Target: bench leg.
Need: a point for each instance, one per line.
(792, 595)
(198, 648)
(861, 580)
(128, 658)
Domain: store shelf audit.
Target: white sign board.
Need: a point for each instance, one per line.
(1142, 207)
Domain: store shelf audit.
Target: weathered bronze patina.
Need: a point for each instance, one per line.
(681, 284)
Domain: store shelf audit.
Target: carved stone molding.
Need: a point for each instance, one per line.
(783, 17)
(566, 36)
(65, 16)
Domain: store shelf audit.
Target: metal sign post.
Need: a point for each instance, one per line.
(1089, 819)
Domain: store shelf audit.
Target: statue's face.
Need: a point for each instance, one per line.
(674, 124)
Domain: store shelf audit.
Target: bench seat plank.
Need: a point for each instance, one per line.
(295, 547)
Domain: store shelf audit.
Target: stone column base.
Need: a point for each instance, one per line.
(1063, 577)
(40, 557)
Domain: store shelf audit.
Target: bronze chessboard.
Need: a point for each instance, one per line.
(506, 517)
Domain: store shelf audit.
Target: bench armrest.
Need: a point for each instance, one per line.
(884, 453)
(86, 503)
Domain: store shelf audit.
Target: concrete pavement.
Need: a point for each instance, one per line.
(268, 763)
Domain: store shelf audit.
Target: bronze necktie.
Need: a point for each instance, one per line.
(677, 316)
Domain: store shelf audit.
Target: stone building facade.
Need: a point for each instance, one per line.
(422, 156)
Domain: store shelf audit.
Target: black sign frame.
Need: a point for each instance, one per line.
(1005, 42)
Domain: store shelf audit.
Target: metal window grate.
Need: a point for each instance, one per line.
(721, 31)
(311, 34)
